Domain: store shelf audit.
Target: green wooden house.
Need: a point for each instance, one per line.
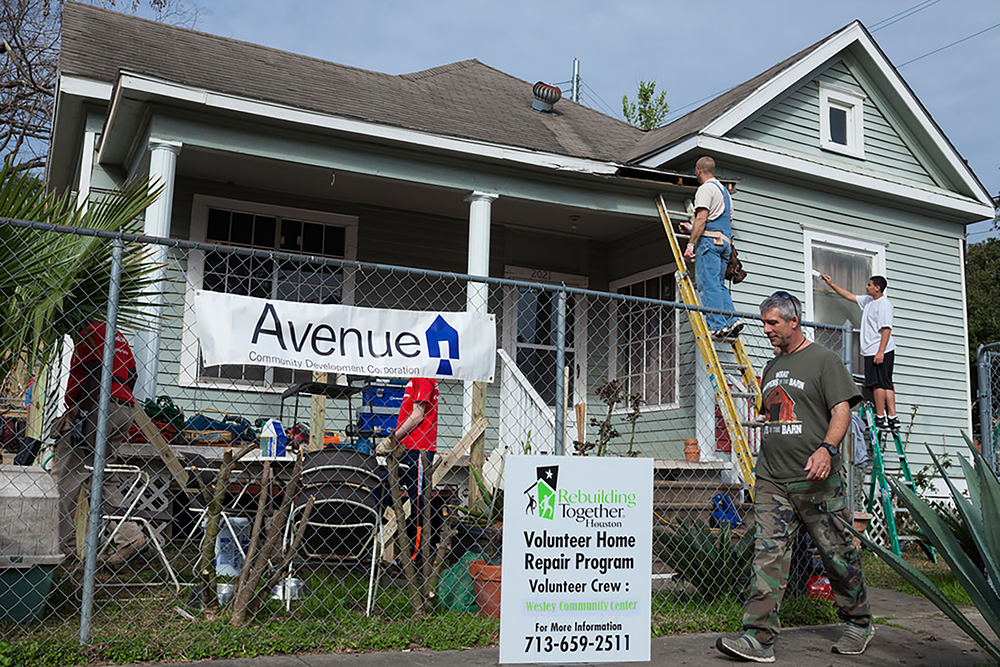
(834, 164)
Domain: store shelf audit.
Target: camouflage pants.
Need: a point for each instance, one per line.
(780, 510)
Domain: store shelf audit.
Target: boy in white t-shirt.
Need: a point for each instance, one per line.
(877, 346)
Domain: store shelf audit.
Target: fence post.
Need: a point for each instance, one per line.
(847, 356)
(847, 345)
(983, 365)
(100, 443)
(560, 443)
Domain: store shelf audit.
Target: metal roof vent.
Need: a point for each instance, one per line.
(545, 96)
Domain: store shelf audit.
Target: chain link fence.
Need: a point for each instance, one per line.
(199, 544)
(988, 366)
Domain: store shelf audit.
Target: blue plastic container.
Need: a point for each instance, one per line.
(383, 396)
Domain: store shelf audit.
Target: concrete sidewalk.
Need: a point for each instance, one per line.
(912, 632)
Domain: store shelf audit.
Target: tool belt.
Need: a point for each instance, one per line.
(718, 238)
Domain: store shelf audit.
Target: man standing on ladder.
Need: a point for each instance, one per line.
(711, 239)
(807, 400)
(877, 347)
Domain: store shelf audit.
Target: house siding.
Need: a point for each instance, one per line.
(792, 125)
(924, 270)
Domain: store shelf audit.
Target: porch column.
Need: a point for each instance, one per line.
(480, 204)
(162, 171)
(474, 393)
(86, 168)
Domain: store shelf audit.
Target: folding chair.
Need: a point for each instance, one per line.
(133, 509)
(345, 522)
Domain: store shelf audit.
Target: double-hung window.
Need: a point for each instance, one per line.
(841, 121)
(288, 231)
(850, 261)
(645, 337)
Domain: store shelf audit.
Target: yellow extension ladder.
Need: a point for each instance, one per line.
(723, 394)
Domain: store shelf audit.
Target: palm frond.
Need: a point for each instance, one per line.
(52, 283)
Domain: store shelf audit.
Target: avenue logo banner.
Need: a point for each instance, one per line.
(577, 555)
(235, 329)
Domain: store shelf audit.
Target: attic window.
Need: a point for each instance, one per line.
(841, 121)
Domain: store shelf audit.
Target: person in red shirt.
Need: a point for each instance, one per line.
(416, 432)
(75, 441)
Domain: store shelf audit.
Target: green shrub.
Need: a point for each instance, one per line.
(715, 561)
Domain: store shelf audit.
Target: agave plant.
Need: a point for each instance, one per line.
(52, 283)
(979, 510)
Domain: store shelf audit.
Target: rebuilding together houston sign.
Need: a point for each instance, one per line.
(235, 329)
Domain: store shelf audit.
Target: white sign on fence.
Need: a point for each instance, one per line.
(577, 557)
(235, 329)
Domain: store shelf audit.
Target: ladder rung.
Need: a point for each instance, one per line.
(732, 365)
(742, 394)
(752, 424)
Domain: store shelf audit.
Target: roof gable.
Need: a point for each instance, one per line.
(791, 124)
(466, 99)
(719, 118)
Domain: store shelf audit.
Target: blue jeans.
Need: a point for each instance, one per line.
(710, 273)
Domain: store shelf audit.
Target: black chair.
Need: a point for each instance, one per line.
(345, 522)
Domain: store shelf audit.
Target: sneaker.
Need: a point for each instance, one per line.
(855, 639)
(893, 423)
(127, 552)
(746, 648)
(728, 333)
(881, 423)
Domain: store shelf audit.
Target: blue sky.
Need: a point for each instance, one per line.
(692, 50)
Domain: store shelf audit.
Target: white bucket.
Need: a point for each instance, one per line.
(229, 558)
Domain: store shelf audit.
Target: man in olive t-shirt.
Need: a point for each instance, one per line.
(806, 409)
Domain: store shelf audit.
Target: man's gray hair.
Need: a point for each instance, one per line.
(706, 164)
(788, 306)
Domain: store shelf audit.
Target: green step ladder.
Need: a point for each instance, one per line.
(877, 440)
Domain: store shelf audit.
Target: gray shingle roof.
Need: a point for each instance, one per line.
(465, 99)
(694, 121)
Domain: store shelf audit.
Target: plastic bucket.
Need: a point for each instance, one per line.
(229, 558)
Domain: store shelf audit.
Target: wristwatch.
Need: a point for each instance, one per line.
(832, 449)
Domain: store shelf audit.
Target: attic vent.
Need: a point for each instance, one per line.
(545, 96)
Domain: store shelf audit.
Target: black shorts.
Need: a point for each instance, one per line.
(880, 375)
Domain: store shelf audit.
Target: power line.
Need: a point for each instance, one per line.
(905, 14)
(948, 46)
(698, 101)
(606, 108)
(884, 23)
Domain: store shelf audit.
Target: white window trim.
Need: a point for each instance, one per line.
(854, 105)
(187, 375)
(855, 245)
(613, 286)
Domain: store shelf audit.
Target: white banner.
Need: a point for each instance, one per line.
(376, 342)
(577, 559)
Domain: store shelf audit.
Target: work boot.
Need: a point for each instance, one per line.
(127, 552)
(746, 648)
(855, 639)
